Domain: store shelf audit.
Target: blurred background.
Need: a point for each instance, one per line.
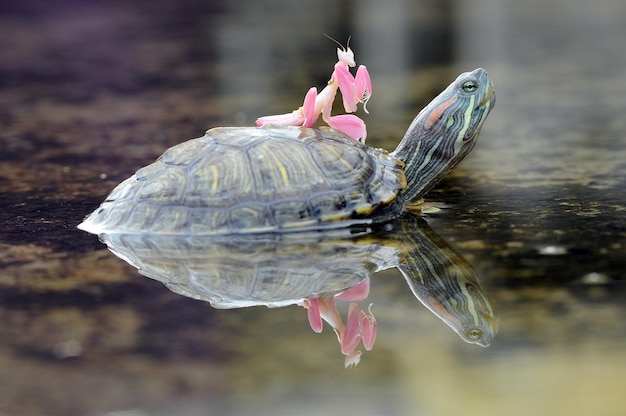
(91, 91)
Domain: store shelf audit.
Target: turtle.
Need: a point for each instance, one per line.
(246, 180)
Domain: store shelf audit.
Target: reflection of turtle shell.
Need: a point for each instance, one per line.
(251, 180)
(282, 269)
(264, 270)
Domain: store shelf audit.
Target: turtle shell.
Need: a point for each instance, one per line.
(251, 180)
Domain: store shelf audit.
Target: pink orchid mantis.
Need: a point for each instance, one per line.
(354, 89)
(360, 325)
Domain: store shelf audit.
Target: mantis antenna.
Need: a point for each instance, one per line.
(339, 43)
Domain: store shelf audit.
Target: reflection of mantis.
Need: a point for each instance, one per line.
(316, 268)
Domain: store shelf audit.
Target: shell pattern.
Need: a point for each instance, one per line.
(250, 180)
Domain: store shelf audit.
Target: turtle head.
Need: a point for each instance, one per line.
(444, 132)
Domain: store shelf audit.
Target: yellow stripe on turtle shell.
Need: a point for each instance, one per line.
(365, 209)
(340, 158)
(215, 183)
(341, 215)
(278, 164)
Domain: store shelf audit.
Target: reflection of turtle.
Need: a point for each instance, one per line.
(283, 269)
(276, 178)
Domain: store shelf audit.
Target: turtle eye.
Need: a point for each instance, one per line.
(474, 334)
(470, 86)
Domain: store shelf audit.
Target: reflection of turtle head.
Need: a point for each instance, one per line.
(448, 285)
(465, 309)
(480, 325)
(477, 334)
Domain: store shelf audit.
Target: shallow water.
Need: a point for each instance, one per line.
(90, 93)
